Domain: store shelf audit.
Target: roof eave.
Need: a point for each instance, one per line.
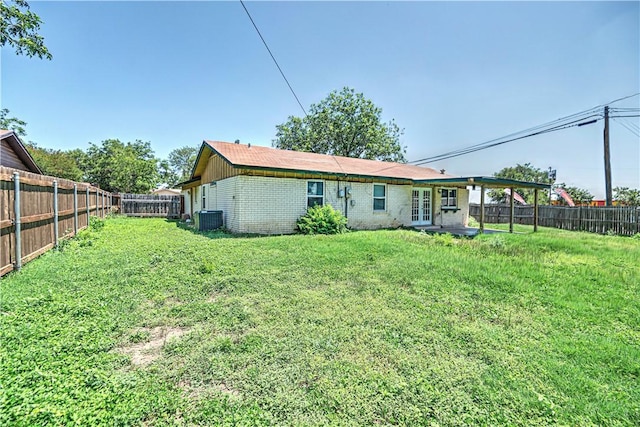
(487, 181)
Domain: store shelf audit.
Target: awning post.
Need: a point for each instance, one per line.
(511, 209)
(482, 208)
(535, 210)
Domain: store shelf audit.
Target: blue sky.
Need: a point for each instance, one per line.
(451, 74)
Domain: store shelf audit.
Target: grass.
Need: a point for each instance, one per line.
(142, 322)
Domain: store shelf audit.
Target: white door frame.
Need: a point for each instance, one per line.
(421, 206)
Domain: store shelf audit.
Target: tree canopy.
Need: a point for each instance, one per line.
(525, 172)
(58, 163)
(122, 167)
(12, 123)
(346, 124)
(19, 29)
(626, 196)
(580, 196)
(181, 162)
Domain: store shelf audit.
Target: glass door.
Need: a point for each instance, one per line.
(421, 206)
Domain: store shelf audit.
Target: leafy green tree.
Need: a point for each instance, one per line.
(119, 167)
(166, 173)
(56, 163)
(11, 123)
(181, 161)
(525, 172)
(346, 124)
(19, 29)
(580, 196)
(626, 196)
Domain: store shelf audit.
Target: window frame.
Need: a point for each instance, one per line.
(384, 198)
(315, 196)
(445, 200)
(203, 198)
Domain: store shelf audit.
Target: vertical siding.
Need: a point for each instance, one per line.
(9, 158)
(217, 169)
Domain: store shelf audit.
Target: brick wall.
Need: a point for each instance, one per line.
(272, 205)
(267, 205)
(451, 218)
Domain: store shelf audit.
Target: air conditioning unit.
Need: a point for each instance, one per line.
(208, 220)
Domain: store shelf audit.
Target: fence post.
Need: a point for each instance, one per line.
(88, 212)
(579, 218)
(17, 222)
(75, 209)
(55, 213)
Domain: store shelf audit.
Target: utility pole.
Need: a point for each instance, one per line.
(607, 159)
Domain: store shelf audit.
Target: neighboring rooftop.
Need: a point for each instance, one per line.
(14, 154)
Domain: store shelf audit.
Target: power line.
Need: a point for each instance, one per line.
(536, 130)
(627, 127)
(632, 124)
(622, 99)
(532, 129)
(491, 144)
(273, 57)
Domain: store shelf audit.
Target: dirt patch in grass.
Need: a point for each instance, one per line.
(148, 343)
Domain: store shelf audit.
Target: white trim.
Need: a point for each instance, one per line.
(422, 207)
(315, 196)
(384, 186)
(448, 206)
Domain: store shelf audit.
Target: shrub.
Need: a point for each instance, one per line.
(322, 220)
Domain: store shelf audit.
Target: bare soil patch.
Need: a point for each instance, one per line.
(143, 353)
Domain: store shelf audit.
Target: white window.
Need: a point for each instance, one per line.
(204, 198)
(379, 197)
(315, 193)
(449, 198)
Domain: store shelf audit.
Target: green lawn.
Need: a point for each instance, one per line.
(143, 322)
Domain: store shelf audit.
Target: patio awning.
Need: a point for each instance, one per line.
(486, 181)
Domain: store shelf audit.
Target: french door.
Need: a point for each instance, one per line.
(421, 206)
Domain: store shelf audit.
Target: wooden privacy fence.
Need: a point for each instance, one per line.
(150, 205)
(36, 211)
(621, 220)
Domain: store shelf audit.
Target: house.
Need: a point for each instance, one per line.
(165, 192)
(265, 190)
(13, 153)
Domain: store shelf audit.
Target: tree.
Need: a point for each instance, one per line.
(525, 172)
(56, 163)
(11, 123)
(181, 162)
(166, 174)
(345, 124)
(626, 196)
(119, 167)
(18, 29)
(580, 196)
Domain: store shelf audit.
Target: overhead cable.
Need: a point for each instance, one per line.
(536, 130)
(274, 58)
